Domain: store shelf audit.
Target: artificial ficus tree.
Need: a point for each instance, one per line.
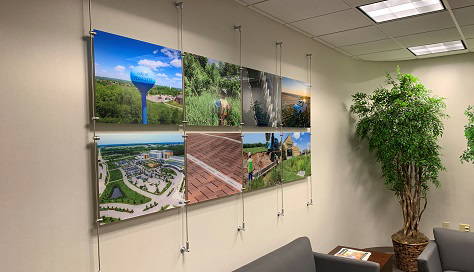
(402, 125)
(468, 155)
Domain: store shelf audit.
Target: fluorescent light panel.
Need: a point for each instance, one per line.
(396, 9)
(437, 48)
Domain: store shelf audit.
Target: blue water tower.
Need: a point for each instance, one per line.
(144, 79)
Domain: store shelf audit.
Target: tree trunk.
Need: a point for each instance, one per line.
(411, 198)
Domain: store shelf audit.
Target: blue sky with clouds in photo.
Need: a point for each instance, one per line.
(301, 139)
(116, 55)
(124, 139)
(253, 138)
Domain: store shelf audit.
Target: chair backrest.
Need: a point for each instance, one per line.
(456, 249)
(295, 256)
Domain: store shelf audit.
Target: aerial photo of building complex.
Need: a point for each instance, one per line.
(139, 174)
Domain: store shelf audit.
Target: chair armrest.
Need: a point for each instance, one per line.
(429, 261)
(330, 263)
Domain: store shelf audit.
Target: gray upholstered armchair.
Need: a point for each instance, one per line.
(298, 256)
(450, 251)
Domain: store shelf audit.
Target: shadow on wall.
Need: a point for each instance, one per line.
(165, 13)
(145, 9)
(379, 205)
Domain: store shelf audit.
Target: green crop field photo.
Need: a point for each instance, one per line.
(212, 92)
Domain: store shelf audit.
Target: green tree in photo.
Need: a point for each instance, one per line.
(129, 196)
(164, 91)
(468, 155)
(291, 118)
(119, 102)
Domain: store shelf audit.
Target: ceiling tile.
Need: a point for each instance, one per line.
(399, 54)
(290, 11)
(371, 47)
(334, 22)
(468, 31)
(418, 24)
(356, 3)
(460, 3)
(251, 2)
(465, 16)
(470, 44)
(359, 35)
(431, 37)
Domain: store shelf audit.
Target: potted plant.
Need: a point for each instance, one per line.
(468, 155)
(402, 125)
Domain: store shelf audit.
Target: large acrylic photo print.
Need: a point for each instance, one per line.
(261, 157)
(295, 103)
(139, 174)
(136, 82)
(212, 92)
(296, 147)
(214, 165)
(261, 98)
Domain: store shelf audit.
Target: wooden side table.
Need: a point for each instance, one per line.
(384, 260)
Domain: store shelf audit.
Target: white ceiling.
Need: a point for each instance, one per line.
(340, 25)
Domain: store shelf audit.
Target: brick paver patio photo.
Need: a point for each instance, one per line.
(214, 165)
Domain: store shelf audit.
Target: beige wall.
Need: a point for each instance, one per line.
(450, 77)
(46, 193)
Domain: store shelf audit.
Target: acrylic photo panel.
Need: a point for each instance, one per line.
(261, 158)
(139, 174)
(214, 165)
(136, 82)
(295, 103)
(261, 98)
(296, 154)
(212, 92)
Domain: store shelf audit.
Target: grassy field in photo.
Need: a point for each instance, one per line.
(254, 150)
(111, 165)
(115, 174)
(292, 166)
(200, 110)
(118, 101)
(128, 195)
(269, 179)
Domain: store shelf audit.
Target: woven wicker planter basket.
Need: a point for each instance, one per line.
(406, 254)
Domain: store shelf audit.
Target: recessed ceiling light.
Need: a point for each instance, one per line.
(437, 48)
(396, 9)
